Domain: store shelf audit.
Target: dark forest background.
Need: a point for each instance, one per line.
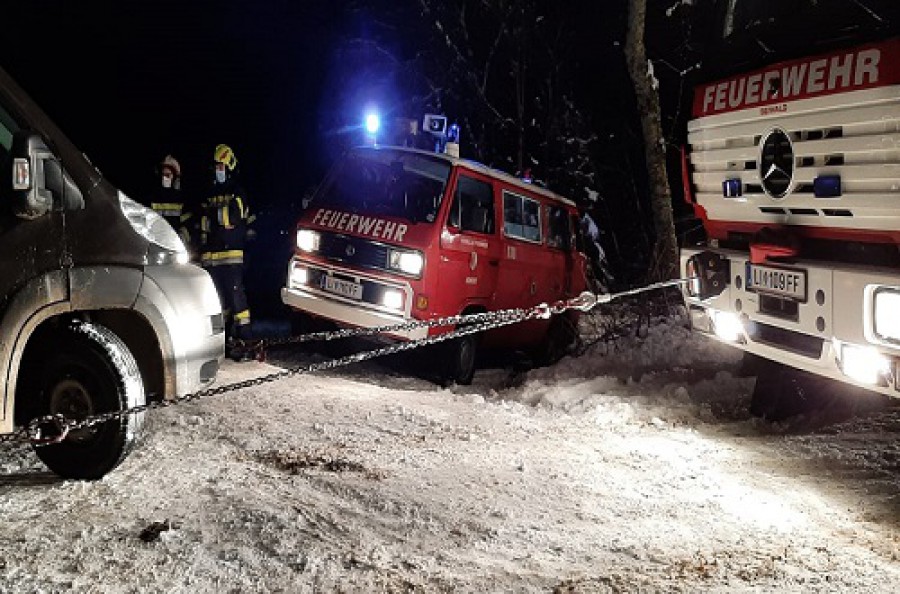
(534, 84)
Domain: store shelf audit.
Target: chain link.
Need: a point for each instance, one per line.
(51, 429)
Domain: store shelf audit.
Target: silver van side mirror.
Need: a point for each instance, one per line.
(38, 180)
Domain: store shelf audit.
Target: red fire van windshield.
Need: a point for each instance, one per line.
(387, 182)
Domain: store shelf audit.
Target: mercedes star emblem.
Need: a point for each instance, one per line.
(776, 162)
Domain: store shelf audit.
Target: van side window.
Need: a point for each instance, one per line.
(560, 232)
(473, 206)
(521, 217)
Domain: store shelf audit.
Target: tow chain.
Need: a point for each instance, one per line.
(51, 429)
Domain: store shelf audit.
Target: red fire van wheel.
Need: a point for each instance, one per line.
(461, 354)
(89, 371)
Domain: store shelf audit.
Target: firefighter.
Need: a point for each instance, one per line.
(167, 199)
(224, 230)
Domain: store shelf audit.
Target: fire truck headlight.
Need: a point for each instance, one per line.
(410, 263)
(307, 241)
(727, 325)
(392, 299)
(887, 314)
(864, 364)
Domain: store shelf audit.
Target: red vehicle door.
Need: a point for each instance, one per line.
(526, 276)
(470, 245)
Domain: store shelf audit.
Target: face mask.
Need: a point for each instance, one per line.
(166, 181)
(220, 176)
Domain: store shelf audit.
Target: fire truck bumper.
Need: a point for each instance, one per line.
(838, 322)
(347, 313)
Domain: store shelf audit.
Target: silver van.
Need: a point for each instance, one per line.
(99, 309)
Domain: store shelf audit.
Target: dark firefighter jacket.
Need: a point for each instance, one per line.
(224, 225)
(169, 204)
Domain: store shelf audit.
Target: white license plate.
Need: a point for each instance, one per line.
(343, 288)
(783, 282)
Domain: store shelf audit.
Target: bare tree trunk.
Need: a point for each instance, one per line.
(666, 252)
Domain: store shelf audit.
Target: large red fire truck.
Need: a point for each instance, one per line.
(793, 164)
(399, 234)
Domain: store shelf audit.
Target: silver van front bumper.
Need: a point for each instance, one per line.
(181, 303)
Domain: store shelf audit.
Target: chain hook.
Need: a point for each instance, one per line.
(57, 423)
(585, 301)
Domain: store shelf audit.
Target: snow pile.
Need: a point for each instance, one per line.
(665, 374)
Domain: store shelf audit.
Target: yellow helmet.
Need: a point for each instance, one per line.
(225, 155)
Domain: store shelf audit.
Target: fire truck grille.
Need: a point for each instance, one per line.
(839, 157)
(353, 251)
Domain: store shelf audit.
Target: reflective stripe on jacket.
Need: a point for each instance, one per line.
(224, 225)
(223, 257)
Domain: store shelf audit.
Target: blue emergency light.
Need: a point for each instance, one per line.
(373, 123)
(827, 186)
(732, 188)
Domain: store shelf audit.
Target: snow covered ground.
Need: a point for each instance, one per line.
(632, 468)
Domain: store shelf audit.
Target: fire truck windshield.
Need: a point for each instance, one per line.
(387, 182)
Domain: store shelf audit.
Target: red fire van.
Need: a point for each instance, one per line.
(397, 234)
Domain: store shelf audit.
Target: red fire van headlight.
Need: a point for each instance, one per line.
(407, 262)
(298, 276)
(307, 240)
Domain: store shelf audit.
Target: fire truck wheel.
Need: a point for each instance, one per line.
(778, 393)
(89, 371)
(460, 357)
(782, 393)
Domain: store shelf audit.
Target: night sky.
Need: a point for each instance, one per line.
(132, 80)
(129, 81)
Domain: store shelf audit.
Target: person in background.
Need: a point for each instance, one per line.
(594, 251)
(224, 230)
(168, 201)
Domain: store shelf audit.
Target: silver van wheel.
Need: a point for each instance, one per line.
(90, 371)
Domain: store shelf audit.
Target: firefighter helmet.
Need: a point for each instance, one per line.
(225, 155)
(172, 163)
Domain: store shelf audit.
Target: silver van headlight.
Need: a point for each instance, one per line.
(165, 245)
